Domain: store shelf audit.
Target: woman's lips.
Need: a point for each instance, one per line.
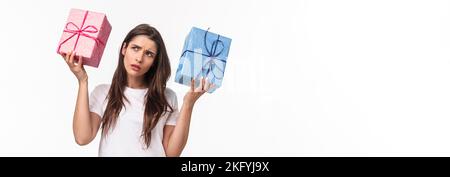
(135, 67)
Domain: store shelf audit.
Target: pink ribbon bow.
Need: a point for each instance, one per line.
(80, 31)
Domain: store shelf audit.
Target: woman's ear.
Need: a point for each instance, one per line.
(124, 48)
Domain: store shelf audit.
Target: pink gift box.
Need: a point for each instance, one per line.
(86, 33)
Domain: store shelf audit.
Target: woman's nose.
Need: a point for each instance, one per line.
(139, 59)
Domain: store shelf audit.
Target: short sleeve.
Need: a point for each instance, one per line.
(172, 99)
(97, 99)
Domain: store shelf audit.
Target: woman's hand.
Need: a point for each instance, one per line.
(76, 68)
(175, 137)
(194, 93)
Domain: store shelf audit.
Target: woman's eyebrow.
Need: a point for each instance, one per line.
(153, 53)
(134, 45)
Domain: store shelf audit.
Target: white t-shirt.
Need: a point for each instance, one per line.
(125, 138)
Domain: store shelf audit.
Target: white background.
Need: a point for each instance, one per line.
(303, 78)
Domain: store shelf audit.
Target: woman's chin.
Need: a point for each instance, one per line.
(133, 73)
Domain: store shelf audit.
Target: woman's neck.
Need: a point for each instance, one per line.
(136, 83)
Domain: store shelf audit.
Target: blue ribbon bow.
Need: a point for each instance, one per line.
(212, 54)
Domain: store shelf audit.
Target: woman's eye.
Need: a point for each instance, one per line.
(149, 54)
(135, 48)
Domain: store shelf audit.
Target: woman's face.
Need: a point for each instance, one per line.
(139, 55)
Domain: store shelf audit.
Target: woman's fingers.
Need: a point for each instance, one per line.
(192, 84)
(204, 86)
(77, 67)
(63, 56)
(207, 85)
(71, 64)
(200, 87)
(66, 56)
(80, 61)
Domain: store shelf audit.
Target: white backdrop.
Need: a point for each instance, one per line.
(303, 78)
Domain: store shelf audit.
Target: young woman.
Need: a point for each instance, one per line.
(138, 114)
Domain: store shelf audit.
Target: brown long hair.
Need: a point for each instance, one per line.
(156, 78)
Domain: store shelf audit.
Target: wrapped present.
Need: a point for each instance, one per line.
(86, 33)
(204, 55)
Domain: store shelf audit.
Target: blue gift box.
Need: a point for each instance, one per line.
(204, 55)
